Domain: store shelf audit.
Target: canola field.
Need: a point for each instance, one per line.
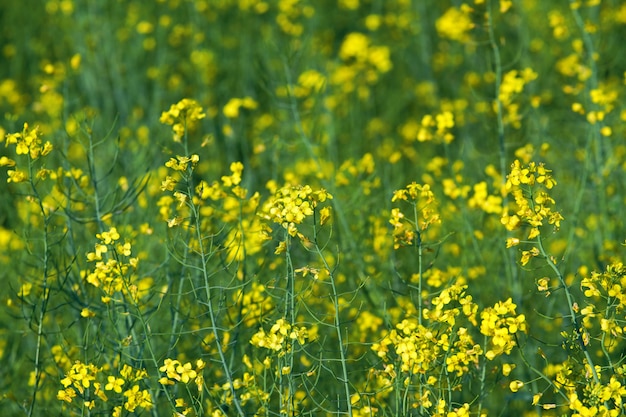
(358, 208)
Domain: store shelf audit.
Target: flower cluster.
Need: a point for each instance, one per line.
(501, 323)
(362, 65)
(605, 313)
(91, 384)
(512, 84)
(436, 128)
(280, 337)
(176, 371)
(182, 116)
(407, 230)
(232, 108)
(599, 399)
(309, 83)
(181, 163)
(356, 48)
(417, 346)
(290, 206)
(481, 198)
(27, 142)
(533, 205)
(456, 23)
(443, 313)
(114, 268)
(418, 353)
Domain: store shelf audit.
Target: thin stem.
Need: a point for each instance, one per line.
(337, 325)
(570, 304)
(541, 374)
(595, 134)
(498, 81)
(145, 326)
(420, 266)
(483, 372)
(44, 285)
(418, 245)
(514, 282)
(206, 278)
(290, 315)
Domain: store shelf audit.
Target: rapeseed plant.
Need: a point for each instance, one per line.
(197, 220)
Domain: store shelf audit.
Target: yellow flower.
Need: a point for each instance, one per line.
(15, 175)
(516, 385)
(114, 384)
(4, 161)
(354, 46)
(66, 395)
(324, 215)
(512, 241)
(170, 368)
(455, 24)
(182, 116)
(507, 368)
(186, 372)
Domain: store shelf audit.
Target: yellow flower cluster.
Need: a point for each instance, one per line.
(115, 274)
(416, 346)
(456, 23)
(309, 82)
(603, 99)
(182, 167)
(500, 323)
(436, 128)
(595, 400)
(231, 109)
(356, 48)
(79, 377)
(27, 142)
(87, 382)
(182, 163)
(362, 64)
(421, 347)
(441, 311)
(176, 371)
(292, 13)
(291, 205)
(280, 337)
(482, 199)
(533, 205)
(512, 84)
(182, 116)
(407, 230)
(606, 294)
(353, 172)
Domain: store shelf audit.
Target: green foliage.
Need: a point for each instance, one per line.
(312, 208)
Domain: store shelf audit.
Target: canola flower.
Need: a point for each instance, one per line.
(182, 116)
(290, 206)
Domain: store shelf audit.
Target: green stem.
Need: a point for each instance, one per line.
(291, 317)
(595, 136)
(45, 289)
(570, 304)
(418, 245)
(337, 325)
(498, 81)
(541, 374)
